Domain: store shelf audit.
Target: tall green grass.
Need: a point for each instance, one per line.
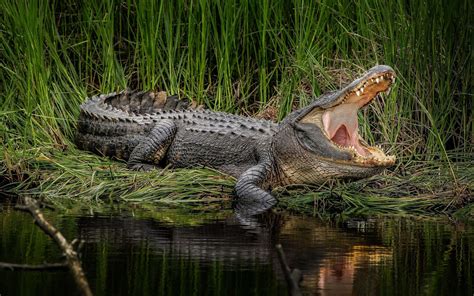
(240, 56)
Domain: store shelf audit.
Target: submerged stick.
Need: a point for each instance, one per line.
(292, 277)
(45, 266)
(72, 259)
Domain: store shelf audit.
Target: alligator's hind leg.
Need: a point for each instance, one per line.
(148, 153)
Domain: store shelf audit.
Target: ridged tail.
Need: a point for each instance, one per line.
(114, 124)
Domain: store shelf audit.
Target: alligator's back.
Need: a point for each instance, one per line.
(115, 124)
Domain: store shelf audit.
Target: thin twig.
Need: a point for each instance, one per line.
(45, 266)
(292, 277)
(72, 259)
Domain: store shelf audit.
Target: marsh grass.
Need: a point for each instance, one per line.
(74, 180)
(243, 57)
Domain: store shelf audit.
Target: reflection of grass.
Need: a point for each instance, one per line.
(428, 256)
(241, 57)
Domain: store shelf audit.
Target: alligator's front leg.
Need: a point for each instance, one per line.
(146, 155)
(252, 199)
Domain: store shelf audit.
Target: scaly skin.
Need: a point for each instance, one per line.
(148, 130)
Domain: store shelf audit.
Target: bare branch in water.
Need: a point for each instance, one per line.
(72, 259)
(292, 277)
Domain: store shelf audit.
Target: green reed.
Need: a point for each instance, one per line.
(239, 56)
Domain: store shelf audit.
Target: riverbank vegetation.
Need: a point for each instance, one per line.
(259, 58)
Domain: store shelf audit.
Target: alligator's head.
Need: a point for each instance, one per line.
(322, 140)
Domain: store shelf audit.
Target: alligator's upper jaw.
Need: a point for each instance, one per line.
(340, 121)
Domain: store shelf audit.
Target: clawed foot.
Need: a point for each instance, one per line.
(142, 167)
(248, 207)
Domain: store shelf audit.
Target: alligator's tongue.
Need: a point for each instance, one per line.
(342, 126)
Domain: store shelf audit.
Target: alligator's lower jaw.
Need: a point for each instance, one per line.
(374, 156)
(341, 122)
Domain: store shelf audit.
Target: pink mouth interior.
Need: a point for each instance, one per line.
(341, 122)
(342, 126)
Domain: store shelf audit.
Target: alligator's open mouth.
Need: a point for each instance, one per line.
(340, 121)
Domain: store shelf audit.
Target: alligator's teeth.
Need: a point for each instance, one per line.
(393, 79)
(362, 89)
(358, 93)
(381, 77)
(388, 91)
(377, 80)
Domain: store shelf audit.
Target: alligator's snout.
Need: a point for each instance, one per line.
(337, 116)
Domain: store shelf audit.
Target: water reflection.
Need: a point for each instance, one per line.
(127, 255)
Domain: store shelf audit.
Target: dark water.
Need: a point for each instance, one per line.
(173, 253)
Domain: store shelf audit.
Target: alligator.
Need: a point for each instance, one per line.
(309, 146)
